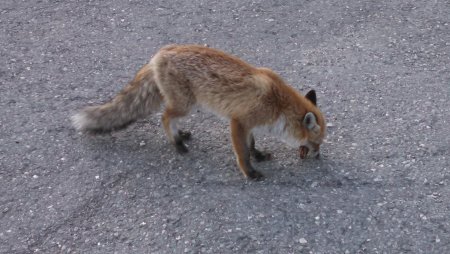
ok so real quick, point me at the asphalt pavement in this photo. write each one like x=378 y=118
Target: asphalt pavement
x=381 y=71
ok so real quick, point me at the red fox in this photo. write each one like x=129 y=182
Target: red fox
x=181 y=76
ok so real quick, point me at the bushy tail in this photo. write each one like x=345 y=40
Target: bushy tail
x=138 y=99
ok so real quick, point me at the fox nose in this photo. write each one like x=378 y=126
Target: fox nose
x=306 y=152
x=303 y=151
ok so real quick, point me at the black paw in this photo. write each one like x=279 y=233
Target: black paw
x=184 y=135
x=261 y=156
x=255 y=175
x=180 y=146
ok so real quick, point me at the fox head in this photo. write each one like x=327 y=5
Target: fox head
x=313 y=129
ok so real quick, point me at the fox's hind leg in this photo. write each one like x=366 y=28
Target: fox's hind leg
x=170 y=122
x=177 y=106
x=178 y=99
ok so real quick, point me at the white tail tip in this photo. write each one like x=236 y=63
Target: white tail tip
x=79 y=121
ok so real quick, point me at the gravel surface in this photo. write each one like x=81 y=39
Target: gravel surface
x=381 y=69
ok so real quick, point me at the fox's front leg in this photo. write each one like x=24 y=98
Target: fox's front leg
x=239 y=136
x=255 y=153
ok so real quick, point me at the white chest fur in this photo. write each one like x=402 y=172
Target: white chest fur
x=279 y=129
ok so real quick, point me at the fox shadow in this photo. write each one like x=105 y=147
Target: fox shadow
x=210 y=158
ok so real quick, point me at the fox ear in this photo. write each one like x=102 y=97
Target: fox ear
x=311 y=96
x=310 y=121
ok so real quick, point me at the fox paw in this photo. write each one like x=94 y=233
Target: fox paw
x=184 y=135
x=261 y=156
x=255 y=175
x=180 y=146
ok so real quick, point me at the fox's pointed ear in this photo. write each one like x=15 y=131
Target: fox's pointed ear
x=310 y=121
x=311 y=96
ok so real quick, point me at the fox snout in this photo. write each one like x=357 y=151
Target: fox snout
x=305 y=152
x=310 y=146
